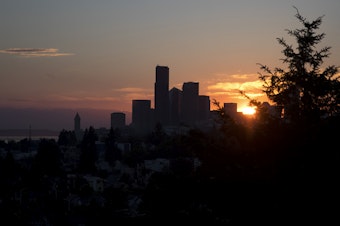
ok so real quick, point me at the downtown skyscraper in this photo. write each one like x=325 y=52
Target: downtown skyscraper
x=162 y=114
x=190 y=101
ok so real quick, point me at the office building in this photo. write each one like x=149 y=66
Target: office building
x=230 y=109
x=162 y=95
x=142 y=116
x=203 y=108
x=189 y=108
x=175 y=98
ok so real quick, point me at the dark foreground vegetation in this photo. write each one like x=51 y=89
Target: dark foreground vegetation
x=273 y=175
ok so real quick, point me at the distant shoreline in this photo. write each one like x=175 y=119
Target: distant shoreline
x=27 y=133
x=19 y=138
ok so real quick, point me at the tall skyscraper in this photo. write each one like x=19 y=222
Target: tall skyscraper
x=162 y=95
x=189 y=114
x=175 y=97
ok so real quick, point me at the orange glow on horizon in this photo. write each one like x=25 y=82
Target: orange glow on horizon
x=248 y=110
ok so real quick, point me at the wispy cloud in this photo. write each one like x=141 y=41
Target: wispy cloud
x=254 y=86
x=131 y=93
x=35 y=52
x=131 y=90
x=85 y=98
x=227 y=87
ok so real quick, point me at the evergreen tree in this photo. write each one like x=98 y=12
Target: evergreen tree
x=112 y=152
x=67 y=138
x=306 y=91
x=88 y=156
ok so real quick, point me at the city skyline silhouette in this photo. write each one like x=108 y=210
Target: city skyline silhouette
x=97 y=57
x=187 y=113
x=84 y=157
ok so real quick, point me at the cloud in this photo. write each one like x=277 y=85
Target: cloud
x=35 y=52
x=132 y=90
x=227 y=89
x=236 y=77
x=133 y=93
x=85 y=98
x=236 y=86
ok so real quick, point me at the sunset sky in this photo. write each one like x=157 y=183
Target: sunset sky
x=62 y=57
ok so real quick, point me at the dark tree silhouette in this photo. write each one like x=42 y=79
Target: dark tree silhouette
x=88 y=156
x=112 y=152
x=67 y=138
x=305 y=91
x=158 y=135
x=48 y=160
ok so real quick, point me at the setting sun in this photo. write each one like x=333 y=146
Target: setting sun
x=248 y=110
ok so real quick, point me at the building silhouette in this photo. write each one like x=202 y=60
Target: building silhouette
x=118 y=120
x=175 y=107
x=189 y=106
x=77 y=128
x=175 y=101
x=142 y=116
x=203 y=108
x=77 y=122
x=161 y=95
x=230 y=109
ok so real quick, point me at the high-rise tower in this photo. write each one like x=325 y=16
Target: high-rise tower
x=162 y=95
x=77 y=123
x=175 y=97
x=77 y=129
x=190 y=102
